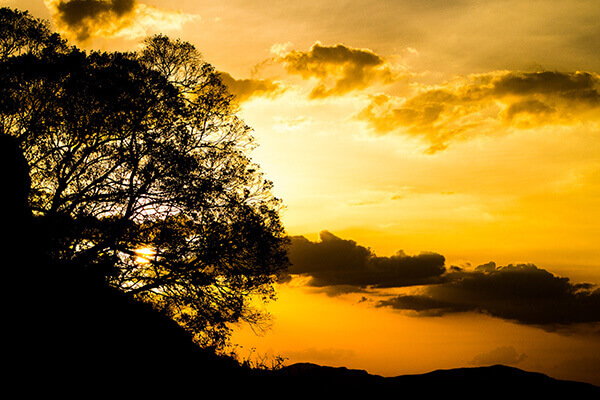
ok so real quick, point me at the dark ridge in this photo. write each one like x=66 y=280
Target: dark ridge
x=309 y=369
x=497 y=379
x=476 y=381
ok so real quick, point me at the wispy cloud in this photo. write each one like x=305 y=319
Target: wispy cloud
x=506 y=355
x=245 y=89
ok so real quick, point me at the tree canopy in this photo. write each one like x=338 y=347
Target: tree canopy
x=140 y=169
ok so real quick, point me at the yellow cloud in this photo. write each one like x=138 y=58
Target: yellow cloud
x=338 y=69
x=481 y=104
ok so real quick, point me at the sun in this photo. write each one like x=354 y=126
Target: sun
x=144 y=255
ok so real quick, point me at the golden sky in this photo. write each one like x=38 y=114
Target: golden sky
x=413 y=143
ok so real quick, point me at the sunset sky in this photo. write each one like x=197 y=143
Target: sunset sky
x=439 y=163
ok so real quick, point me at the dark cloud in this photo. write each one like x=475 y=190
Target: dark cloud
x=339 y=69
x=505 y=355
x=480 y=104
x=74 y=12
x=522 y=293
x=81 y=15
x=347 y=266
x=577 y=85
x=82 y=20
x=244 y=89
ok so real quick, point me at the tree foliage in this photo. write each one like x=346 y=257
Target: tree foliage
x=140 y=168
x=22 y=33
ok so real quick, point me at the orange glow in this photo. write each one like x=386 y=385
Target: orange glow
x=470 y=129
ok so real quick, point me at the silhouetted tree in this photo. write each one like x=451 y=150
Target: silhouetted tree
x=140 y=171
x=22 y=33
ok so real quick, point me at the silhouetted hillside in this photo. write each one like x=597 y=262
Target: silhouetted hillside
x=67 y=330
x=71 y=328
x=65 y=327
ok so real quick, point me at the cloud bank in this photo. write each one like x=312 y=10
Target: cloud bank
x=487 y=103
x=84 y=19
x=521 y=293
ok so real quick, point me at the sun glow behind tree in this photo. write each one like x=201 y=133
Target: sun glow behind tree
x=136 y=151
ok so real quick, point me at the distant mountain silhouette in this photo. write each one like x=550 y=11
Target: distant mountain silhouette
x=471 y=382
